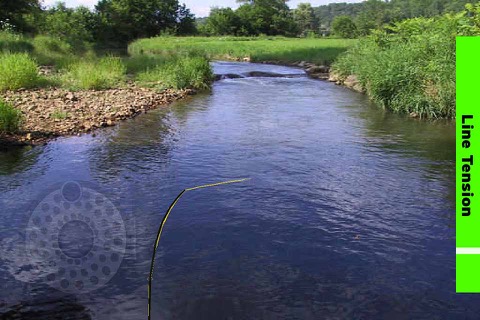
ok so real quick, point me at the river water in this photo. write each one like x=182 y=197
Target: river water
x=349 y=213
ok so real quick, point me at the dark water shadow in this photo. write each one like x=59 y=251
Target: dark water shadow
x=52 y=309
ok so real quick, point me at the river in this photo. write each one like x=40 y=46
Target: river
x=349 y=213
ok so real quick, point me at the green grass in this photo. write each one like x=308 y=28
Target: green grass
x=179 y=73
x=105 y=73
x=279 y=49
x=20 y=57
x=141 y=63
x=58 y=114
x=410 y=68
x=53 y=52
x=10 y=42
x=10 y=118
x=18 y=70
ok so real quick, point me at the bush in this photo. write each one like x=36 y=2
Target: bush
x=180 y=73
x=105 y=73
x=344 y=27
x=10 y=42
x=53 y=51
x=10 y=118
x=18 y=70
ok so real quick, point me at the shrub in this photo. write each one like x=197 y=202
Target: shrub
x=11 y=42
x=18 y=70
x=10 y=118
x=105 y=73
x=53 y=51
x=180 y=73
x=343 y=26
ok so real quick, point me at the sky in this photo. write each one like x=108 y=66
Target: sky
x=200 y=8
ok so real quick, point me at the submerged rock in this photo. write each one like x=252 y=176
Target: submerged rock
x=227 y=76
x=256 y=74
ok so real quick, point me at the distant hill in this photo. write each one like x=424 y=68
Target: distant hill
x=393 y=9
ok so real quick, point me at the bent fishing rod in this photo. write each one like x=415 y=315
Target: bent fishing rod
x=162 y=225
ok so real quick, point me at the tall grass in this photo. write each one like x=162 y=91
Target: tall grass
x=107 y=72
x=53 y=51
x=20 y=57
x=284 y=50
x=18 y=70
x=408 y=67
x=141 y=63
x=11 y=42
x=10 y=118
x=192 y=72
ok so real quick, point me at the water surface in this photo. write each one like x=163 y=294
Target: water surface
x=349 y=213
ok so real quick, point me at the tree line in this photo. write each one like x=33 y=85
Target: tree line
x=117 y=22
x=111 y=23
x=358 y=19
x=348 y=20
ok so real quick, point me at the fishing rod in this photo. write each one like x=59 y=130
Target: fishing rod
x=162 y=225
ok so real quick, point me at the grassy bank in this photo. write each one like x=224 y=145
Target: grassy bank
x=21 y=58
x=49 y=88
x=408 y=67
x=282 y=50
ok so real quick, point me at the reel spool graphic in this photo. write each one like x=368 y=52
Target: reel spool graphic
x=76 y=238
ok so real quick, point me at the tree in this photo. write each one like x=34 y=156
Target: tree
x=185 y=21
x=305 y=19
x=12 y=13
x=270 y=17
x=344 y=27
x=126 y=20
x=373 y=15
x=222 y=21
x=75 y=26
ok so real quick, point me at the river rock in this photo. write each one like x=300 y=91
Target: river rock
x=86 y=110
x=256 y=74
x=318 y=69
x=352 y=82
x=227 y=76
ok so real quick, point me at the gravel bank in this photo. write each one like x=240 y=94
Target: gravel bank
x=50 y=113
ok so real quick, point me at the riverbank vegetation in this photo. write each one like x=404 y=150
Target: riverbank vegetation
x=275 y=49
x=401 y=52
x=409 y=66
x=273 y=17
x=21 y=58
x=66 y=71
x=10 y=118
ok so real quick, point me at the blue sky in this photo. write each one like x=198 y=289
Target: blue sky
x=201 y=8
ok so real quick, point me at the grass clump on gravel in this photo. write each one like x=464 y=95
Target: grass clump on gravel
x=18 y=70
x=105 y=73
x=10 y=118
x=189 y=72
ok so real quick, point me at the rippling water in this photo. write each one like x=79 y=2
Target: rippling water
x=349 y=213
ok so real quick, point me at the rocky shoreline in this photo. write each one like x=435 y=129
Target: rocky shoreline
x=50 y=113
x=323 y=72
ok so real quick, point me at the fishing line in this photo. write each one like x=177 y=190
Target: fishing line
x=162 y=225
